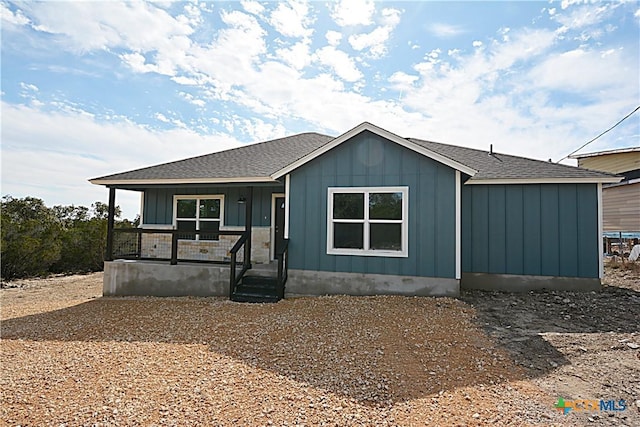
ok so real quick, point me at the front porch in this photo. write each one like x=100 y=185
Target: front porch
x=161 y=260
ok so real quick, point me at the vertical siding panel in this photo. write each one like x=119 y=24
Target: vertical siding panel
x=497 y=232
x=296 y=212
x=480 y=229
x=327 y=263
x=532 y=239
x=445 y=238
x=568 y=234
x=549 y=232
x=588 y=257
x=467 y=213
x=514 y=218
x=415 y=264
x=427 y=212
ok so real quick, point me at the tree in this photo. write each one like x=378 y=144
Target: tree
x=30 y=241
x=63 y=239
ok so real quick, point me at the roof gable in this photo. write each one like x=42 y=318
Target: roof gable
x=366 y=126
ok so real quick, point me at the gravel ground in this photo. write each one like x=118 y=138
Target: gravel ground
x=72 y=357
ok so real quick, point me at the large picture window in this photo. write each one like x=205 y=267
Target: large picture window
x=198 y=213
x=371 y=221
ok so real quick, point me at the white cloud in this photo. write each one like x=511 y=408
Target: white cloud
x=443 y=30
x=374 y=41
x=402 y=79
x=53 y=160
x=341 y=63
x=292 y=19
x=476 y=43
x=252 y=7
x=297 y=56
x=585 y=15
x=333 y=37
x=11 y=18
x=101 y=25
x=390 y=17
x=353 y=12
x=583 y=72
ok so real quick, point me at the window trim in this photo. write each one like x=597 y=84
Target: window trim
x=197 y=219
x=404 y=236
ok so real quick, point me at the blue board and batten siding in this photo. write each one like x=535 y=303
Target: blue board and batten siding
x=530 y=229
x=368 y=160
x=158 y=203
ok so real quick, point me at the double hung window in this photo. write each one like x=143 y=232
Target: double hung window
x=369 y=221
x=198 y=214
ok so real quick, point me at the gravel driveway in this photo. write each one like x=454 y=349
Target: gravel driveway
x=71 y=357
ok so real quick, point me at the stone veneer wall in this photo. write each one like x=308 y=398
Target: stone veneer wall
x=159 y=246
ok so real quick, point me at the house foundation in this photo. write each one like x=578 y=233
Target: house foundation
x=522 y=283
x=307 y=282
x=142 y=278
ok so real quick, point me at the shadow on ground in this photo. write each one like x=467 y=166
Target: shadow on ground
x=519 y=322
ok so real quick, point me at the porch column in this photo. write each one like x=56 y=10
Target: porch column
x=247 y=226
x=110 y=224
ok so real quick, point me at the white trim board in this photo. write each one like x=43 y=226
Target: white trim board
x=498 y=181
x=272 y=233
x=458 y=226
x=382 y=133
x=230 y=180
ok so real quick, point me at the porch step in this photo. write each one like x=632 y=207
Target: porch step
x=256 y=289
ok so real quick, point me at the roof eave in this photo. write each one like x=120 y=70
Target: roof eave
x=366 y=126
x=496 y=181
x=181 y=181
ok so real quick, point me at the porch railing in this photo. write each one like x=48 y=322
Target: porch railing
x=283 y=266
x=176 y=245
x=234 y=276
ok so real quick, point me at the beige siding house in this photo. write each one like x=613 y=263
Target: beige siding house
x=621 y=201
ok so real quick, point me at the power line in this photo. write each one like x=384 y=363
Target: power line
x=590 y=141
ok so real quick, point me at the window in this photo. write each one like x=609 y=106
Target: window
x=198 y=213
x=369 y=221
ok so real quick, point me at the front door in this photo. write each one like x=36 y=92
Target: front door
x=279 y=222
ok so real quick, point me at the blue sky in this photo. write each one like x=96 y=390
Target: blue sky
x=93 y=88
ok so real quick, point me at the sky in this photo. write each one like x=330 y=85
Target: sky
x=94 y=88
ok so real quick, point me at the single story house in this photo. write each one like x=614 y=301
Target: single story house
x=367 y=212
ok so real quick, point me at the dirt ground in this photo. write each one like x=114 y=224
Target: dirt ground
x=72 y=357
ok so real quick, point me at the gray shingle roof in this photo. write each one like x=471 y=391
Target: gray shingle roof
x=255 y=160
x=504 y=166
x=265 y=159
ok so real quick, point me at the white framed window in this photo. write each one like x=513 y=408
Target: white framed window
x=369 y=221
x=198 y=213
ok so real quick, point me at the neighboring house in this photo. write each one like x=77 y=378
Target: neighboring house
x=364 y=213
x=620 y=201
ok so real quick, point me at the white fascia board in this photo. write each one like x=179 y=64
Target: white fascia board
x=605 y=153
x=542 y=181
x=233 y=180
x=382 y=133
